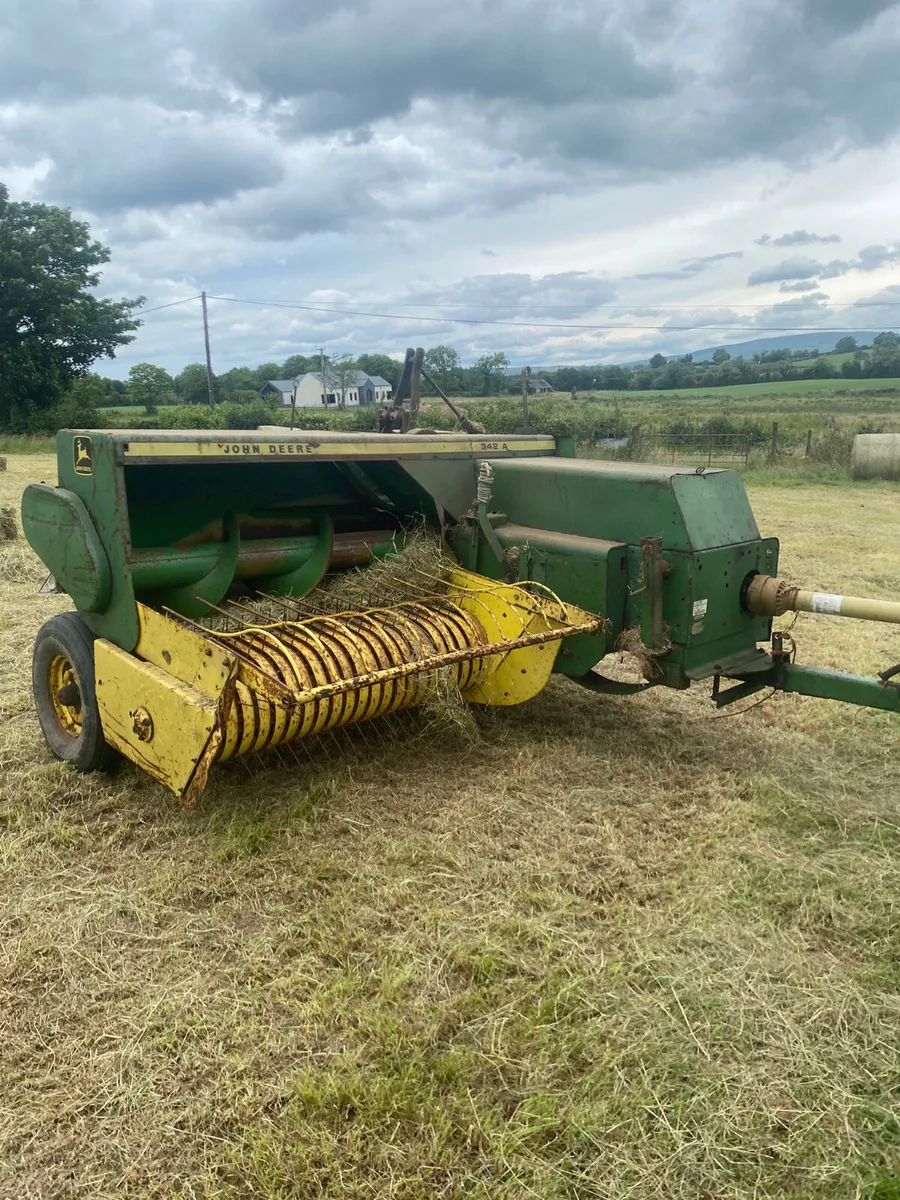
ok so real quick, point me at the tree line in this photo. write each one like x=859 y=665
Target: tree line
x=151 y=387
x=881 y=360
x=53 y=328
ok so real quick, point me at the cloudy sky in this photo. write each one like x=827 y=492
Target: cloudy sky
x=598 y=178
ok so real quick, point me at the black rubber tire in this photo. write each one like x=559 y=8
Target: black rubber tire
x=67 y=635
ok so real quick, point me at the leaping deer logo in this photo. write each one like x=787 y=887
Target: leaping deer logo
x=83 y=462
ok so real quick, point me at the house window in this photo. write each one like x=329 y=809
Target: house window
x=331 y=398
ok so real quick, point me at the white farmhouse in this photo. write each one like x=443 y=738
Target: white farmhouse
x=312 y=393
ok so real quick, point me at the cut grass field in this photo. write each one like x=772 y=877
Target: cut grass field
x=788 y=387
x=598 y=947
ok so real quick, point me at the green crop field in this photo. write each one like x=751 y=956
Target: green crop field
x=834 y=360
x=795 y=387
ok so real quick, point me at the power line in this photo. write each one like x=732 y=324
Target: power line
x=616 y=328
x=171 y=304
x=629 y=307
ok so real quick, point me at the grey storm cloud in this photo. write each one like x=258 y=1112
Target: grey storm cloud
x=809 y=309
x=504 y=295
x=870 y=258
x=799 y=237
x=801 y=285
x=880 y=309
x=798 y=268
x=280 y=148
x=240 y=85
x=691 y=266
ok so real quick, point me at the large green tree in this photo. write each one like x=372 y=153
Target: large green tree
x=150 y=385
x=380 y=364
x=191 y=385
x=441 y=360
x=492 y=367
x=51 y=327
x=298 y=364
x=343 y=371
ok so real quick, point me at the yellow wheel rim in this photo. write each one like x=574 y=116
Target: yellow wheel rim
x=60 y=674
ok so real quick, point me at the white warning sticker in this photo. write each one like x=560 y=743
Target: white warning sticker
x=825 y=602
x=700 y=607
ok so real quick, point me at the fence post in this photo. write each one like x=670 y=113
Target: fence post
x=809 y=444
x=635 y=442
x=773 y=447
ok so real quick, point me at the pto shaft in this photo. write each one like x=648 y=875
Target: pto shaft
x=770 y=596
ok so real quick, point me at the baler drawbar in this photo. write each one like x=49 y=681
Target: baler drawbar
x=554 y=562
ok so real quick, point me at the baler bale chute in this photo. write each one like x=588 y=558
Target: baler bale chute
x=207 y=627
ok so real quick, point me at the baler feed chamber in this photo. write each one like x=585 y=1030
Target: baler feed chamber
x=198 y=533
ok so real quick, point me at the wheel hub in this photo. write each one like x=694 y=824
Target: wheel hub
x=65 y=695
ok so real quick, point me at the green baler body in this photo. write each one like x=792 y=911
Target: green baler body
x=577 y=526
x=151 y=516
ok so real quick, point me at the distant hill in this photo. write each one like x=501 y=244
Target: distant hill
x=822 y=342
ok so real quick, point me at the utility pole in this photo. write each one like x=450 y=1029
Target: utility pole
x=526 y=375
x=321 y=350
x=209 y=374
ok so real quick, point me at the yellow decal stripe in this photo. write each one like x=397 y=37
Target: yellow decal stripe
x=292 y=450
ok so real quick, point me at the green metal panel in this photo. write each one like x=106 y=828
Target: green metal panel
x=62 y=534
x=714 y=508
x=709 y=544
x=99 y=482
x=625 y=502
x=583 y=571
x=451 y=484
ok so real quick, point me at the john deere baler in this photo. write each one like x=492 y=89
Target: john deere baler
x=557 y=561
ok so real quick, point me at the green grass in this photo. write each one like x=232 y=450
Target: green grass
x=834 y=360
x=27 y=444
x=796 y=387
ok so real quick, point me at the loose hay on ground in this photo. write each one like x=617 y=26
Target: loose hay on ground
x=613 y=950
x=9 y=526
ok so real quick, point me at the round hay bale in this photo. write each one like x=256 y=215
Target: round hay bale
x=9 y=526
x=2 y=464
x=876 y=456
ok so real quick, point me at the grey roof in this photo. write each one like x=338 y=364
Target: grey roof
x=362 y=378
x=287 y=385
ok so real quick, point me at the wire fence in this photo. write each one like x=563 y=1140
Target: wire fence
x=692 y=449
